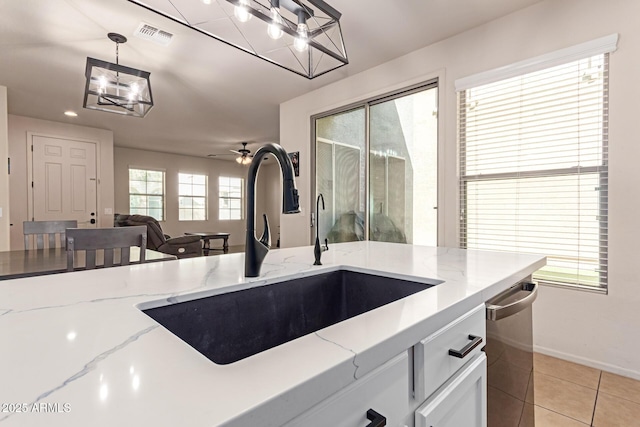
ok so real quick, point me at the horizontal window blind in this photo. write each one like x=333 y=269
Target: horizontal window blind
x=533 y=169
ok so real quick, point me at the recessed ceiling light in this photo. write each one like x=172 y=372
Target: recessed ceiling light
x=71 y=113
x=206 y=1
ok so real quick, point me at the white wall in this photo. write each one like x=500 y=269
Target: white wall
x=19 y=152
x=4 y=173
x=173 y=164
x=597 y=330
x=269 y=199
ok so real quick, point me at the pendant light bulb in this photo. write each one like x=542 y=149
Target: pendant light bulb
x=241 y=11
x=102 y=85
x=300 y=43
x=274 y=30
x=243 y=160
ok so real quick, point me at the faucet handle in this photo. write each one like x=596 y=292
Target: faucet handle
x=266 y=236
x=326 y=245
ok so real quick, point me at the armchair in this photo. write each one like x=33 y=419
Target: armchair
x=182 y=246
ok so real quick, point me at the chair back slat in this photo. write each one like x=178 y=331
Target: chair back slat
x=108 y=257
x=125 y=256
x=40 y=229
x=89 y=259
x=106 y=240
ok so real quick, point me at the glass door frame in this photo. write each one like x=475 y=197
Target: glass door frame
x=366 y=104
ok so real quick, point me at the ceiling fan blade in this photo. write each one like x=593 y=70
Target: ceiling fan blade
x=234 y=151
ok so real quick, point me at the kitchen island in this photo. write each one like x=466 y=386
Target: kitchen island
x=77 y=351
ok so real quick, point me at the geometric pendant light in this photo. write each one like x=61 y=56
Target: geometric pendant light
x=115 y=88
x=302 y=36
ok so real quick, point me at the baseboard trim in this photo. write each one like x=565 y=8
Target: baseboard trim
x=588 y=362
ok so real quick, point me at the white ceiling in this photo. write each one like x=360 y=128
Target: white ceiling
x=208 y=96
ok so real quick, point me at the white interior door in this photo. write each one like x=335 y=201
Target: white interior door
x=64 y=180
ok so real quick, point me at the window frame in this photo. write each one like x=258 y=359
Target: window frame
x=433 y=82
x=600 y=172
x=192 y=196
x=229 y=198
x=162 y=195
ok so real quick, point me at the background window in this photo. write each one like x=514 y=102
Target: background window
x=534 y=169
x=230 y=197
x=146 y=193
x=192 y=196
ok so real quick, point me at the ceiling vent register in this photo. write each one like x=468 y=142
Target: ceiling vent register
x=154 y=34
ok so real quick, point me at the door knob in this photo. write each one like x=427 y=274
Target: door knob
x=93 y=221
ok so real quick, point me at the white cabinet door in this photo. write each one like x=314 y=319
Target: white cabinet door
x=461 y=401
x=386 y=390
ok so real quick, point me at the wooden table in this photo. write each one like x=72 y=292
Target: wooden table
x=207 y=236
x=21 y=263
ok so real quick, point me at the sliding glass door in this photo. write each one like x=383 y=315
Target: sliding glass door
x=340 y=175
x=376 y=167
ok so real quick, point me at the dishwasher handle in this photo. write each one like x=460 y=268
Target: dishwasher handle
x=497 y=312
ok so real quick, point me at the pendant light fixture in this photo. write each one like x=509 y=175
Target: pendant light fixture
x=115 y=88
x=302 y=36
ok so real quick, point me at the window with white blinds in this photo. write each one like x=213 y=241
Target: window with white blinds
x=533 y=169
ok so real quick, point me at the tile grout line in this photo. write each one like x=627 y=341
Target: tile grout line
x=616 y=394
x=626 y=399
x=593 y=415
x=575 y=384
x=554 y=375
x=561 y=414
x=571 y=382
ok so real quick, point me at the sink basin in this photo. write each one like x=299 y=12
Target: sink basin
x=232 y=326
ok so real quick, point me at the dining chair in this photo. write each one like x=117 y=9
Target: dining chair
x=91 y=240
x=40 y=229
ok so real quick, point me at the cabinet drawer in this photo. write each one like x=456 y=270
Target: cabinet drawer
x=433 y=365
x=461 y=401
x=386 y=390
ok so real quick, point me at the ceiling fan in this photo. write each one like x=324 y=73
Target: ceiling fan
x=244 y=154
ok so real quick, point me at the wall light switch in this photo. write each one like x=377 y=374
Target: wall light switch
x=0 y=212
x=108 y=211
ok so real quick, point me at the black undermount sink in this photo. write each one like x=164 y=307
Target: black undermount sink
x=229 y=327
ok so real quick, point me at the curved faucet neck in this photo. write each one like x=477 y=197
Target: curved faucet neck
x=288 y=205
x=256 y=250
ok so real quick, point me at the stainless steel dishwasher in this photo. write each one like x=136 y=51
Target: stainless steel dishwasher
x=509 y=351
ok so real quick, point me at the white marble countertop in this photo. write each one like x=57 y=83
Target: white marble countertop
x=75 y=350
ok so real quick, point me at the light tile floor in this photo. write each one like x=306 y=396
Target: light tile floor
x=572 y=395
